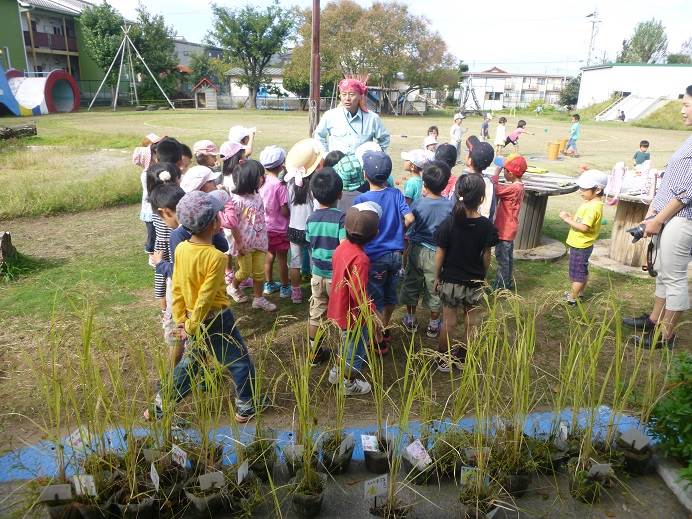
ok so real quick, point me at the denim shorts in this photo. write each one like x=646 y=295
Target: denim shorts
x=383 y=279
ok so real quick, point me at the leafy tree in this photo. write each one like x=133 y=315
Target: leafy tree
x=101 y=26
x=205 y=66
x=679 y=58
x=462 y=69
x=570 y=93
x=250 y=37
x=648 y=44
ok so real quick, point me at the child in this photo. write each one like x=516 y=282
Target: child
x=584 y=228
x=275 y=198
x=143 y=157
x=643 y=154
x=349 y=305
x=351 y=173
x=500 y=134
x=448 y=154
x=456 y=132
x=513 y=137
x=480 y=157
x=430 y=143
x=433 y=131
x=428 y=211
x=464 y=241
x=325 y=230
x=243 y=136
x=302 y=160
x=332 y=158
x=231 y=153
x=244 y=216
x=485 y=128
x=414 y=162
x=185 y=158
x=200 y=305
x=509 y=199
x=385 y=251
x=205 y=152
x=574 y=132
x=199 y=178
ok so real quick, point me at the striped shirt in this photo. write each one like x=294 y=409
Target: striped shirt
x=162 y=243
x=325 y=230
x=677 y=181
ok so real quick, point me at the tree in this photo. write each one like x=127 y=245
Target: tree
x=679 y=58
x=570 y=93
x=102 y=29
x=462 y=69
x=648 y=44
x=204 y=66
x=250 y=37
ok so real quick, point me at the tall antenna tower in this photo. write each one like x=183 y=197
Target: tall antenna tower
x=594 y=31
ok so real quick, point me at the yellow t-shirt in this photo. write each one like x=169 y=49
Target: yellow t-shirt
x=589 y=213
x=198 y=283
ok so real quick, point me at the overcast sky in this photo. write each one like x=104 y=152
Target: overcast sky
x=517 y=35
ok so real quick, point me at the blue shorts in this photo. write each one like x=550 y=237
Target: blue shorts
x=572 y=144
x=384 y=278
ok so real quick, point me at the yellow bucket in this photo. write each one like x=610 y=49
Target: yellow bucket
x=553 y=150
x=563 y=145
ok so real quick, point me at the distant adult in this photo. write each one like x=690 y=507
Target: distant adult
x=350 y=124
x=670 y=223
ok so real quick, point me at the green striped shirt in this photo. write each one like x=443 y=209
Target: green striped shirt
x=325 y=230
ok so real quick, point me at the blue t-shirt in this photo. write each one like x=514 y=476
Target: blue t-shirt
x=429 y=213
x=391 y=231
x=413 y=188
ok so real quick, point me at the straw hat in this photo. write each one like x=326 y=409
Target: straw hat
x=302 y=160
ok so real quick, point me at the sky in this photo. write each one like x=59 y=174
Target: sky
x=536 y=36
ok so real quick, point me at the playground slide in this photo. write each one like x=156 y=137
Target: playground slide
x=19 y=95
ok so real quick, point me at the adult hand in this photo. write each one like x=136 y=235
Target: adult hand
x=652 y=227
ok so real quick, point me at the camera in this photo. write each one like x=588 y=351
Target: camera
x=637 y=232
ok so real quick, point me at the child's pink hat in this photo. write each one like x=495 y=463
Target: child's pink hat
x=205 y=147
x=228 y=149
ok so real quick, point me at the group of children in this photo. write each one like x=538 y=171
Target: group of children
x=229 y=218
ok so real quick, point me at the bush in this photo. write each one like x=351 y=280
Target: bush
x=667 y=118
x=671 y=420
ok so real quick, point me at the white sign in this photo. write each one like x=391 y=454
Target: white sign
x=369 y=443
x=179 y=456
x=84 y=485
x=243 y=471
x=600 y=469
x=154 y=475
x=79 y=439
x=375 y=487
x=211 y=480
x=418 y=455
x=635 y=438
x=56 y=493
x=564 y=431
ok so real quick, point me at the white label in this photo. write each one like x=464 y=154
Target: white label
x=56 y=493
x=600 y=469
x=375 y=487
x=635 y=438
x=154 y=475
x=418 y=454
x=564 y=431
x=242 y=471
x=79 y=438
x=211 y=480
x=369 y=443
x=84 y=485
x=179 y=456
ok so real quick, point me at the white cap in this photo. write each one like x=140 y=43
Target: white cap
x=459 y=116
x=196 y=177
x=272 y=156
x=592 y=178
x=366 y=146
x=418 y=157
x=430 y=139
x=369 y=206
x=238 y=133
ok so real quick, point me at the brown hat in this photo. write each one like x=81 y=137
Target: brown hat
x=363 y=220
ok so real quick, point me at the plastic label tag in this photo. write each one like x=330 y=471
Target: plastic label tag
x=369 y=443
x=635 y=438
x=79 y=439
x=211 y=480
x=600 y=469
x=84 y=485
x=243 y=471
x=375 y=487
x=418 y=454
x=56 y=493
x=179 y=456
x=154 y=475
x=564 y=431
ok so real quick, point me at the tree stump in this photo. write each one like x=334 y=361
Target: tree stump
x=7 y=250
x=13 y=132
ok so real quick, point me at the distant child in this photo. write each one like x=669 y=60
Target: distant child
x=275 y=197
x=500 y=134
x=464 y=241
x=143 y=156
x=414 y=162
x=243 y=215
x=574 y=133
x=332 y=158
x=200 y=306
x=643 y=154
x=325 y=231
x=513 y=137
x=485 y=128
x=430 y=143
x=385 y=250
x=509 y=198
x=243 y=136
x=456 y=132
x=448 y=154
x=205 y=153
x=584 y=228
x=301 y=162
x=480 y=157
x=199 y=178
x=185 y=159
x=429 y=212
x=351 y=173
x=433 y=131
x=349 y=306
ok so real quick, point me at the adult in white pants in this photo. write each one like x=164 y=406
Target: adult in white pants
x=671 y=227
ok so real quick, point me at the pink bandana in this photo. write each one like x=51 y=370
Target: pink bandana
x=354 y=85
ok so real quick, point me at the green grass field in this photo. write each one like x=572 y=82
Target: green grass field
x=58 y=191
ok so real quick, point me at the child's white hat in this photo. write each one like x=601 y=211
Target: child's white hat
x=430 y=139
x=418 y=157
x=459 y=116
x=238 y=133
x=196 y=177
x=592 y=178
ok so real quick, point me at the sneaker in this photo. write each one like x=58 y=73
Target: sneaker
x=246 y=411
x=410 y=323
x=567 y=298
x=248 y=283
x=260 y=303
x=433 y=329
x=236 y=294
x=356 y=387
x=271 y=287
x=320 y=356
x=285 y=291
x=296 y=295
x=229 y=277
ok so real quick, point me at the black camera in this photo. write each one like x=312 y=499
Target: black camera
x=637 y=232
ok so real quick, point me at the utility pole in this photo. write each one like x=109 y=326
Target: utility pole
x=314 y=102
x=594 y=31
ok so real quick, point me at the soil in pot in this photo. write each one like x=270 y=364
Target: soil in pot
x=582 y=486
x=63 y=510
x=140 y=506
x=337 y=451
x=378 y=462
x=447 y=452
x=308 y=495
x=391 y=510
x=261 y=456
x=205 y=502
x=638 y=463
x=242 y=499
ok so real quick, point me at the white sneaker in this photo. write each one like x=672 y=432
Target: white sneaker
x=356 y=387
x=262 y=304
x=236 y=294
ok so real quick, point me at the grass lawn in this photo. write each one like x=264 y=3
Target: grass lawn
x=79 y=165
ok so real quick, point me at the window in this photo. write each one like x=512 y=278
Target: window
x=541 y=81
x=493 y=96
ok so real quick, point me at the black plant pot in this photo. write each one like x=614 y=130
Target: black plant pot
x=473 y=512
x=206 y=504
x=638 y=463
x=336 y=463
x=516 y=484
x=63 y=510
x=428 y=476
x=142 y=509
x=378 y=462
x=309 y=505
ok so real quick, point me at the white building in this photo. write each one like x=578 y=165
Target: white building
x=599 y=83
x=497 y=89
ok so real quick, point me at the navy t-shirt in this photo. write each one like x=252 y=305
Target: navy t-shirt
x=429 y=214
x=391 y=231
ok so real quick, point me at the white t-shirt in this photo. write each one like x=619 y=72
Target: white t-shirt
x=500 y=135
x=455 y=133
x=299 y=213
